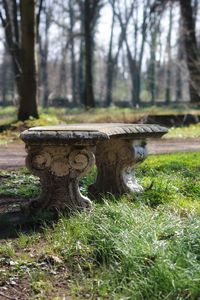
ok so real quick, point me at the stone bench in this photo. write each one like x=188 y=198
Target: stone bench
x=61 y=155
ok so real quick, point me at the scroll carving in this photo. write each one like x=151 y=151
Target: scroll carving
x=60 y=169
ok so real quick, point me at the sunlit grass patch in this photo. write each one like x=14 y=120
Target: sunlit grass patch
x=121 y=250
x=144 y=246
x=173 y=178
x=192 y=131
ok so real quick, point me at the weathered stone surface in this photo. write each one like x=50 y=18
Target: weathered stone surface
x=116 y=161
x=79 y=132
x=60 y=169
x=61 y=155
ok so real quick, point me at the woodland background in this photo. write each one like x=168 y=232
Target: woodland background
x=98 y=53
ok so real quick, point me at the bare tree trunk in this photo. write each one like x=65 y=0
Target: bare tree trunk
x=134 y=65
x=63 y=86
x=88 y=37
x=28 y=80
x=152 y=65
x=169 y=59
x=110 y=67
x=112 y=59
x=179 y=94
x=133 y=68
x=195 y=10
x=141 y=53
x=38 y=19
x=73 y=60
x=12 y=38
x=191 y=49
x=4 y=77
x=22 y=52
x=81 y=83
x=180 y=58
x=44 y=51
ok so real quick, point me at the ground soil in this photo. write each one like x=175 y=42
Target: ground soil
x=13 y=155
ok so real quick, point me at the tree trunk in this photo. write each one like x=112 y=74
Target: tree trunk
x=28 y=80
x=12 y=39
x=141 y=53
x=152 y=66
x=73 y=60
x=133 y=68
x=63 y=78
x=169 y=58
x=88 y=37
x=81 y=83
x=44 y=60
x=191 y=49
x=135 y=62
x=110 y=67
x=179 y=94
x=195 y=11
x=180 y=58
x=112 y=59
x=4 y=76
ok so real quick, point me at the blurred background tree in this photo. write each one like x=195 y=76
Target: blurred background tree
x=19 y=23
x=98 y=53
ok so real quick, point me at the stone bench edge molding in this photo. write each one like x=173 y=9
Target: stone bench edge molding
x=61 y=155
x=66 y=133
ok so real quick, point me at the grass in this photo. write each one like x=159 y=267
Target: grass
x=192 y=131
x=135 y=247
x=18 y=184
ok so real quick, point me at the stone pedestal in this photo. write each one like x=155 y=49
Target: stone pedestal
x=60 y=169
x=116 y=161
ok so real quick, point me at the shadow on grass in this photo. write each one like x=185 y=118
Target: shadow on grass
x=15 y=220
x=15 y=217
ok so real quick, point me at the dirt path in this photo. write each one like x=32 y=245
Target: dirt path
x=173 y=145
x=12 y=156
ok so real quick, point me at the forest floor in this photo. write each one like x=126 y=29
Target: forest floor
x=12 y=155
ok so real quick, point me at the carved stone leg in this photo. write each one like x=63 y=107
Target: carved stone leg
x=60 y=169
x=116 y=160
